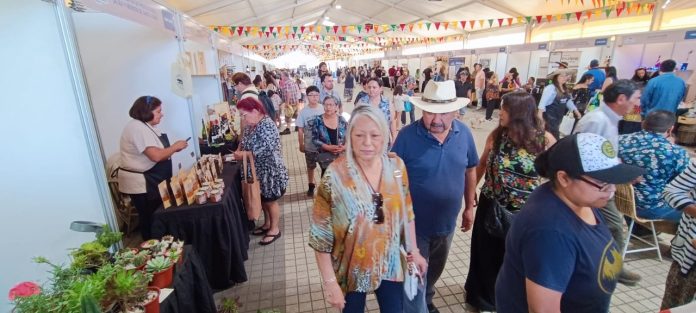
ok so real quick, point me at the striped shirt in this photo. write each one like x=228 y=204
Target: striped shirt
x=680 y=193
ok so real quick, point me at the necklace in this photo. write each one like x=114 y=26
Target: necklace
x=372 y=190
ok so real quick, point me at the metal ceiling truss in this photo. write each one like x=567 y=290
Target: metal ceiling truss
x=214 y=6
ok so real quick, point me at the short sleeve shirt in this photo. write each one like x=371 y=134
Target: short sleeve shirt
x=551 y=246
x=363 y=253
x=136 y=137
x=308 y=113
x=436 y=174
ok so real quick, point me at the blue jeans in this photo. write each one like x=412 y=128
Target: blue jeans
x=390 y=297
x=435 y=250
x=663 y=213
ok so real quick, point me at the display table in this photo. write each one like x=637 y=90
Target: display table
x=191 y=291
x=217 y=231
x=226 y=148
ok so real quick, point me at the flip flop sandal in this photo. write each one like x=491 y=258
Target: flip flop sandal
x=259 y=231
x=275 y=237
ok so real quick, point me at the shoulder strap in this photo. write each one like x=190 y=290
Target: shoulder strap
x=251 y=92
x=398 y=175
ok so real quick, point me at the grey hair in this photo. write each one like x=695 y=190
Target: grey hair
x=374 y=115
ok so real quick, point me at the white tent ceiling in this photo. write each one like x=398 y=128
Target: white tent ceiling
x=353 y=12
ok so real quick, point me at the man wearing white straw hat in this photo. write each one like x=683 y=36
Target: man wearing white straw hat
x=441 y=158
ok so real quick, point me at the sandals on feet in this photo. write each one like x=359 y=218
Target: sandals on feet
x=275 y=237
x=259 y=231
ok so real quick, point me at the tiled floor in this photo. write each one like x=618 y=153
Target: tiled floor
x=284 y=275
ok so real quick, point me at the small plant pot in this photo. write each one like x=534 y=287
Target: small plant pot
x=153 y=306
x=148 y=244
x=163 y=279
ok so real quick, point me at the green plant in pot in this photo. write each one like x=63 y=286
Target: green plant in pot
x=90 y=256
x=161 y=268
x=132 y=259
x=127 y=288
x=228 y=305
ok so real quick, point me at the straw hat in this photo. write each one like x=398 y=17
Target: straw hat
x=440 y=97
x=557 y=72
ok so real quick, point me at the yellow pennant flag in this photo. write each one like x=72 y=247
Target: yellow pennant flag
x=453 y=24
x=559 y=17
x=598 y=12
x=481 y=23
x=226 y=31
x=287 y=29
x=420 y=25
x=351 y=28
x=520 y=19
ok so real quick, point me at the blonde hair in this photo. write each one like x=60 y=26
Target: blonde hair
x=374 y=115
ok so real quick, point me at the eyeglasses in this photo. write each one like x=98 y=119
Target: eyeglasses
x=378 y=201
x=601 y=188
x=313 y=95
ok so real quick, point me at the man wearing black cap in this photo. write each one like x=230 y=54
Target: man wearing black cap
x=598 y=75
x=619 y=99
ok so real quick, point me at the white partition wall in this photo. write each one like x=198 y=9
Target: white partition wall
x=139 y=63
x=47 y=173
x=520 y=60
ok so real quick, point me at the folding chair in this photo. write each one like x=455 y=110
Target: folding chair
x=125 y=211
x=626 y=204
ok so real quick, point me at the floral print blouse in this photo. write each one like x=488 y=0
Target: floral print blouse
x=263 y=141
x=661 y=160
x=510 y=175
x=363 y=253
x=320 y=133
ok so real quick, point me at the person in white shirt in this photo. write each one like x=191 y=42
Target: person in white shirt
x=304 y=134
x=399 y=100
x=145 y=159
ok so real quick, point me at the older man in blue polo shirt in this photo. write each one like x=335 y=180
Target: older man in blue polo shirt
x=441 y=158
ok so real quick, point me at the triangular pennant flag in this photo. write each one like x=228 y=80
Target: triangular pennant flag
x=549 y=18
x=328 y=29
x=247 y=29
x=567 y=16
x=351 y=28
x=463 y=23
x=509 y=20
x=311 y=29
x=246 y=33
x=598 y=12
x=402 y=26
x=620 y=8
x=538 y=19
x=604 y=3
x=471 y=24
x=322 y=37
x=287 y=36
x=263 y=29
x=376 y=28
x=271 y=28
x=446 y=25
x=420 y=25
x=293 y=36
x=453 y=24
x=260 y=34
x=343 y=28
x=239 y=30
x=578 y=15
x=275 y=35
x=607 y=12
x=427 y=24
x=529 y=19
x=437 y=26
x=490 y=22
x=589 y=14
x=335 y=28
x=359 y=28
x=294 y=29
x=500 y=22
x=302 y=28
x=651 y=7
x=393 y=27
x=582 y=2
x=267 y=34
x=481 y=23
x=215 y=29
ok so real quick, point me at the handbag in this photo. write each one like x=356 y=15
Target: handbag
x=325 y=159
x=412 y=275
x=251 y=190
x=566 y=127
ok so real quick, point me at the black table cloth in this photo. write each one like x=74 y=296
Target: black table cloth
x=226 y=148
x=191 y=294
x=217 y=231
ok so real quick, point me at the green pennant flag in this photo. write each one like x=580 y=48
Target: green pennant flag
x=232 y=29
x=328 y=29
x=359 y=27
x=568 y=16
x=246 y=33
x=490 y=23
x=294 y=29
x=275 y=35
x=427 y=24
x=607 y=12
x=263 y=29
x=216 y=29
x=393 y=27
x=322 y=37
x=529 y=19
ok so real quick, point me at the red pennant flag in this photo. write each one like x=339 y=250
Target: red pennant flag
x=549 y=18
x=578 y=15
x=302 y=28
x=582 y=2
x=471 y=24
x=509 y=20
x=270 y=28
x=335 y=28
x=500 y=22
x=651 y=7
x=437 y=25
x=267 y=34
x=240 y=30
x=620 y=8
x=538 y=18
x=402 y=26
x=463 y=24
x=260 y=34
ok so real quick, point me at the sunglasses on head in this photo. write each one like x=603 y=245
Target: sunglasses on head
x=378 y=201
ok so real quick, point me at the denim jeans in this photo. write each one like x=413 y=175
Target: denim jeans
x=435 y=250
x=661 y=214
x=390 y=297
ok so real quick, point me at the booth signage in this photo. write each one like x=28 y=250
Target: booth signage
x=691 y=34
x=601 y=41
x=542 y=46
x=502 y=49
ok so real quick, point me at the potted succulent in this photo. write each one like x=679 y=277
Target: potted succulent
x=132 y=259
x=168 y=239
x=176 y=252
x=161 y=268
x=126 y=288
x=90 y=256
x=228 y=305
x=147 y=244
x=151 y=301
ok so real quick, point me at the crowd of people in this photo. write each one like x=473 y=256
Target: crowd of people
x=547 y=235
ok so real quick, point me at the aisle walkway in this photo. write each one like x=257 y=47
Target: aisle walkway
x=284 y=275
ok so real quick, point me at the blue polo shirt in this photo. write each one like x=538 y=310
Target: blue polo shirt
x=663 y=92
x=436 y=174
x=598 y=81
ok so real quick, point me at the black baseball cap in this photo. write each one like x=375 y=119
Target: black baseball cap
x=586 y=154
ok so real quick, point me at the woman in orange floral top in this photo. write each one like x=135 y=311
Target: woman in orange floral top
x=357 y=220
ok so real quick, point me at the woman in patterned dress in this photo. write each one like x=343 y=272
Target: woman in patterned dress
x=375 y=99
x=357 y=220
x=507 y=163
x=261 y=138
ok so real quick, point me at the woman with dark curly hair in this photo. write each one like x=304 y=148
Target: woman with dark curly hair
x=507 y=163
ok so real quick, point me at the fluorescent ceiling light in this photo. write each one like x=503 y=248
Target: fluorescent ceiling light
x=338 y=7
x=310 y=23
x=326 y=18
x=328 y=23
